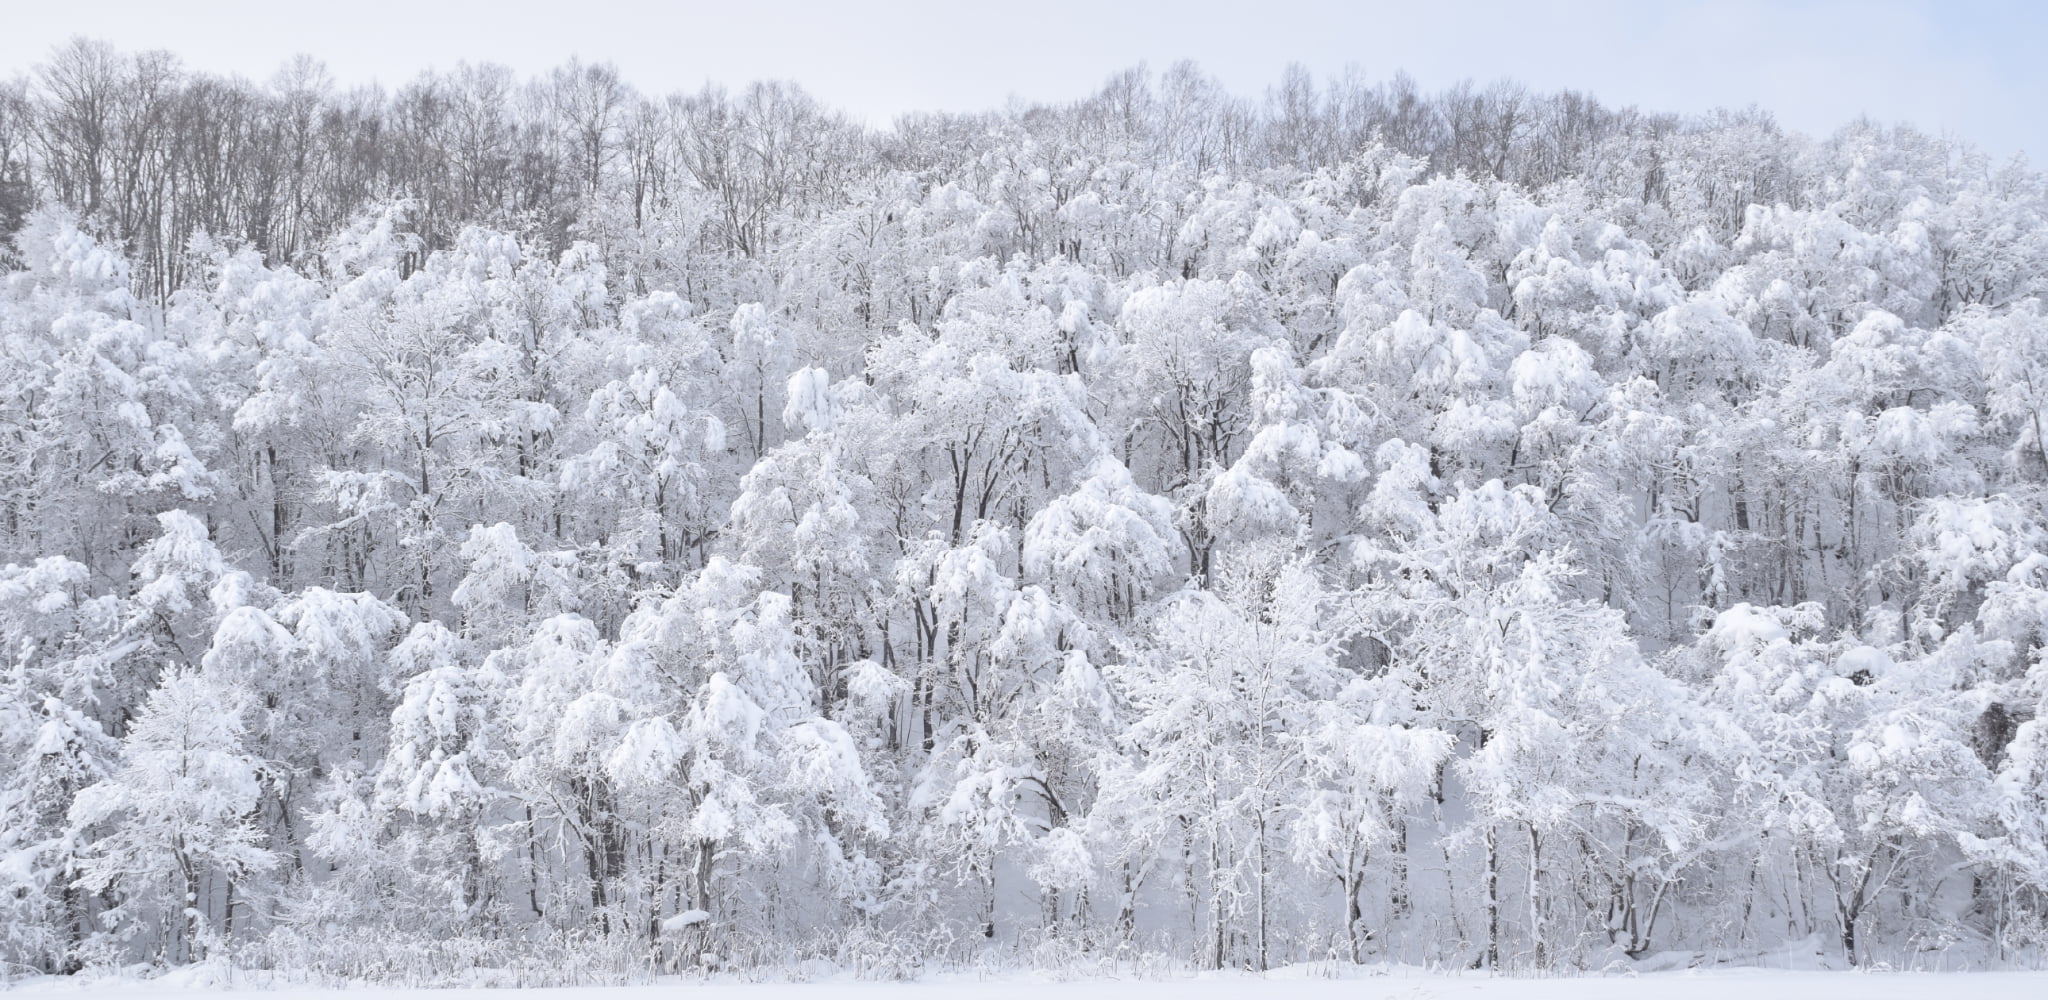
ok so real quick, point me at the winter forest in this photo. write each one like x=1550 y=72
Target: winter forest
x=533 y=524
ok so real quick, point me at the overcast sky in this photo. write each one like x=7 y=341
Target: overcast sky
x=1971 y=67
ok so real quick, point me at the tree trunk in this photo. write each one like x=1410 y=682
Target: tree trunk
x=1535 y=894
x=1492 y=904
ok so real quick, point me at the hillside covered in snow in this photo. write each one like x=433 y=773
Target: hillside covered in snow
x=531 y=523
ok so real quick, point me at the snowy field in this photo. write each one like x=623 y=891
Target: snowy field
x=1754 y=984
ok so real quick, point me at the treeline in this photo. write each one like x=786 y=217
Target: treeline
x=149 y=152
x=513 y=522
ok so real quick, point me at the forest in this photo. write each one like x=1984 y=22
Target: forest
x=528 y=524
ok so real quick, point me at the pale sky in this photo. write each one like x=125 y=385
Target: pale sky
x=1971 y=67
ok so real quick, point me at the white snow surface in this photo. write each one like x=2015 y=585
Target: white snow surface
x=1296 y=983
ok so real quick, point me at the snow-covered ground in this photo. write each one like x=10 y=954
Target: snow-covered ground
x=1749 y=984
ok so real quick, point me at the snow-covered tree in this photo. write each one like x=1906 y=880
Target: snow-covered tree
x=173 y=826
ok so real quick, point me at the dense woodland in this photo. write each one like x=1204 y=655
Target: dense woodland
x=501 y=521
